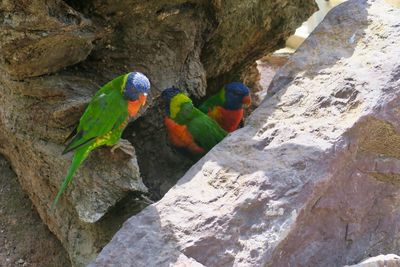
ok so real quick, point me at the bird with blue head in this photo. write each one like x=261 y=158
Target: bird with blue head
x=227 y=106
x=187 y=127
x=105 y=118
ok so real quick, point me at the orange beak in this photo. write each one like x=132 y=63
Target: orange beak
x=246 y=100
x=142 y=99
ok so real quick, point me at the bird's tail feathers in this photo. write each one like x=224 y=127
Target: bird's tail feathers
x=77 y=160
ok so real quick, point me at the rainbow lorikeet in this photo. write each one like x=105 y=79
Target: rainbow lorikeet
x=188 y=127
x=105 y=118
x=226 y=107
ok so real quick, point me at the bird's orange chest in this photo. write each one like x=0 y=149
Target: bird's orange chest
x=229 y=120
x=180 y=136
x=133 y=107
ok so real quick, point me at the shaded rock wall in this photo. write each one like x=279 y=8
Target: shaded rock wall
x=24 y=239
x=311 y=180
x=54 y=55
x=226 y=55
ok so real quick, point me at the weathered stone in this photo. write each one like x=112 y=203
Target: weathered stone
x=35 y=152
x=163 y=39
x=226 y=56
x=268 y=66
x=390 y=260
x=40 y=37
x=22 y=233
x=311 y=180
x=258 y=83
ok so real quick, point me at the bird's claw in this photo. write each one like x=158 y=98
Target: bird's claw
x=147 y=200
x=125 y=146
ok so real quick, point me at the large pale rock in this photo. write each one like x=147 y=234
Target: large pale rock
x=43 y=92
x=311 y=180
x=390 y=260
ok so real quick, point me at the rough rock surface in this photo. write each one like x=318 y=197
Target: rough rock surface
x=390 y=260
x=43 y=92
x=311 y=180
x=36 y=114
x=226 y=56
x=29 y=31
x=24 y=239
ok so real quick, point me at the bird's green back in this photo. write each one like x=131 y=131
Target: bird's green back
x=97 y=119
x=114 y=84
x=215 y=100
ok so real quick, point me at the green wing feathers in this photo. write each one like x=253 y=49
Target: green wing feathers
x=205 y=131
x=98 y=120
x=106 y=112
x=211 y=102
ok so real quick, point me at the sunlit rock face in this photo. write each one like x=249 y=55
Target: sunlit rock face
x=379 y=261
x=54 y=55
x=311 y=180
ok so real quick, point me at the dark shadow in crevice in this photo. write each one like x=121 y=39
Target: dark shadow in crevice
x=130 y=205
x=82 y=6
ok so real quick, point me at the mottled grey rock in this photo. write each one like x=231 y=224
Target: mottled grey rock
x=311 y=180
x=389 y=260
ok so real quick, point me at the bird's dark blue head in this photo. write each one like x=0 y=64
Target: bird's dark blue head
x=137 y=84
x=236 y=94
x=167 y=95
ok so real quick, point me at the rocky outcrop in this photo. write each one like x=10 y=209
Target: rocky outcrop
x=226 y=55
x=313 y=177
x=42 y=37
x=55 y=54
x=390 y=260
x=25 y=240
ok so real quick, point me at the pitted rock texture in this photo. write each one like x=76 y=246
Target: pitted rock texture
x=311 y=180
x=25 y=240
x=226 y=56
x=389 y=260
x=40 y=37
x=55 y=54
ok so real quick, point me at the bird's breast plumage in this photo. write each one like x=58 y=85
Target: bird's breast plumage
x=229 y=120
x=180 y=136
x=135 y=105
